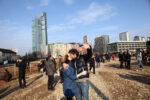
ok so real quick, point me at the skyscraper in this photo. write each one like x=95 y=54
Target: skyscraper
x=86 y=39
x=139 y=38
x=101 y=43
x=39 y=33
x=124 y=36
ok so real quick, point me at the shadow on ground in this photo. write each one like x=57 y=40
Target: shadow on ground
x=98 y=91
x=4 y=89
x=113 y=65
x=138 y=77
x=18 y=87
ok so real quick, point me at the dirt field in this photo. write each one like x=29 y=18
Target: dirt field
x=109 y=83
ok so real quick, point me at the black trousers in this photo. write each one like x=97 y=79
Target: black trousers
x=22 y=77
x=91 y=66
x=121 y=64
x=61 y=76
x=128 y=64
x=69 y=98
x=50 y=81
x=125 y=63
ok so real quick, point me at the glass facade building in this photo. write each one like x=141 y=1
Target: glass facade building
x=39 y=33
x=101 y=44
x=124 y=36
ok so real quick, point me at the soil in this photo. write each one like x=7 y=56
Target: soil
x=109 y=83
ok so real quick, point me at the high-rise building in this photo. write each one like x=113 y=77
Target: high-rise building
x=39 y=33
x=148 y=39
x=139 y=38
x=124 y=36
x=101 y=44
x=86 y=39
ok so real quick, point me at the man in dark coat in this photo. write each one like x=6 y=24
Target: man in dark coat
x=21 y=64
x=121 y=59
x=124 y=58
x=128 y=58
x=80 y=63
x=51 y=69
x=97 y=59
x=92 y=64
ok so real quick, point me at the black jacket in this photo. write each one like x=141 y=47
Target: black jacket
x=21 y=66
x=120 y=57
x=81 y=63
x=92 y=62
x=128 y=57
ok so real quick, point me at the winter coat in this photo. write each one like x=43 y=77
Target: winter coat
x=97 y=58
x=50 y=67
x=92 y=62
x=128 y=57
x=80 y=64
x=120 y=57
x=21 y=66
x=139 y=56
x=69 y=85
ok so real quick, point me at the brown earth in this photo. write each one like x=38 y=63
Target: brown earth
x=109 y=83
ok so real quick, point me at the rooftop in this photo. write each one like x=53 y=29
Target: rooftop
x=7 y=51
x=127 y=42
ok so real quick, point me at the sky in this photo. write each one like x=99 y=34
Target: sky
x=69 y=20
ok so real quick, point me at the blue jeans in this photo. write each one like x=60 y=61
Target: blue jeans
x=82 y=91
x=140 y=64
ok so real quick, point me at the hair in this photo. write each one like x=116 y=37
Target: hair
x=65 y=60
x=48 y=57
x=74 y=51
x=60 y=55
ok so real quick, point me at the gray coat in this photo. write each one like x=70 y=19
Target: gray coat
x=50 y=67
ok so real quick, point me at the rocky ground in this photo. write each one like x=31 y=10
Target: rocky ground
x=109 y=83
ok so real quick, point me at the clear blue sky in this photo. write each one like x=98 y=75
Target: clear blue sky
x=70 y=20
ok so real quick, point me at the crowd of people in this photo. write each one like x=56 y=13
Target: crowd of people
x=73 y=69
x=125 y=59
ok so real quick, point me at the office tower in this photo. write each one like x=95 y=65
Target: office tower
x=39 y=33
x=139 y=38
x=101 y=44
x=86 y=39
x=124 y=36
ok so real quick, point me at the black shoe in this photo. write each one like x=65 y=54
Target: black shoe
x=21 y=87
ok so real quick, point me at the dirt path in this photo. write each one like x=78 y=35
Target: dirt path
x=109 y=83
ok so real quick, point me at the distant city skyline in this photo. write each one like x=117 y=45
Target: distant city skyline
x=70 y=20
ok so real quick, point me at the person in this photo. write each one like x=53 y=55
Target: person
x=128 y=59
x=125 y=59
x=7 y=75
x=143 y=56
x=113 y=57
x=102 y=58
x=139 y=60
x=80 y=63
x=92 y=63
x=21 y=64
x=97 y=59
x=60 y=65
x=39 y=67
x=109 y=56
x=121 y=59
x=50 y=69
